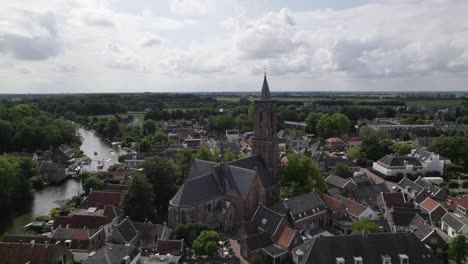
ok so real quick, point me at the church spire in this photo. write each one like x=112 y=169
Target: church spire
x=265 y=94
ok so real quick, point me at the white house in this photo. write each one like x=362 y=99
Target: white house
x=454 y=223
x=430 y=160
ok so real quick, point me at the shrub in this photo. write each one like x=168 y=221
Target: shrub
x=453 y=185
x=465 y=184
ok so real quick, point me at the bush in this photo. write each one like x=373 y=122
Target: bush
x=453 y=185
x=465 y=184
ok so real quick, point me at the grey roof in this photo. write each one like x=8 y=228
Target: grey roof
x=367 y=194
x=420 y=227
x=266 y=219
x=112 y=254
x=258 y=241
x=360 y=178
x=150 y=233
x=274 y=250
x=197 y=190
x=127 y=230
x=222 y=206
x=403 y=219
x=421 y=154
x=265 y=94
x=336 y=181
x=453 y=221
x=399 y=161
x=305 y=205
x=329 y=162
x=370 y=247
x=407 y=182
x=235 y=180
x=252 y=162
x=199 y=168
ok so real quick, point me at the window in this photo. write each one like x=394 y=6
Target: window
x=209 y=208
x=403 y=259
x=434 y=240
x=340 y=261
x=68 y=243
x=358 y=260
x=386 y=259
x=461 y=209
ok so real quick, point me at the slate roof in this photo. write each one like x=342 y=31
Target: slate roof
x=371 y=247
x=112 y=254
x=455 y=221
x=407 y=182
x=399 y=161
x=367 y=194
x=234 y=178
x=126 y=230
x=150 y=233
x=274 y=250
x=266 y=219
x=265 y=94
x=330 y=162
x=305 y=205
x=360 y=178
x=403 y=219
x=80 y=237
x=420 y=227
x=336 y=181
x=259 y=240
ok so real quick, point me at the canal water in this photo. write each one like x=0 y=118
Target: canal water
x=44 y=199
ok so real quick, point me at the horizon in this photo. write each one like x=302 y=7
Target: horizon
x=186 y=46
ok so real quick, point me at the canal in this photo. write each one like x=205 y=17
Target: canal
x=44 y=199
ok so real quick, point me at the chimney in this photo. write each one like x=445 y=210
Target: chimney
x=32 y=243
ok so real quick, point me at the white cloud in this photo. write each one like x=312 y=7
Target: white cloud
x=198 y=8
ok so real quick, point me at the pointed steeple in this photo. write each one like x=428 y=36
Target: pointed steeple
x=265 y=94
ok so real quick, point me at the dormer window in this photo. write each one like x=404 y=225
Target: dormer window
x=403 y=259
x=461 y=209
x=358 y=260
x=340 y=261
x=264 y=221
x=386 y=259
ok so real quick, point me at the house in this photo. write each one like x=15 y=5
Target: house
x=431 y=161
x=52 y=172
x=400 y=218
x=435 y=210
x=150 y=234
x=424 y=141
x=63 y=154
x=84 y=221
x=134 y=161
x=125 y=233
x=458 y=204
x=268 y=233
x=428 y=235
x=32 y=252
x=338 y=217
x=334 y=143
x=99 y=199
x=304 y=212
x=170 y=246
x=390 y=165
x=419 y=190
x=329 y=164
x=386 y=201
x=341 y=183
x=232 y=135
x=454 y=224
x=366 y=193
x=80 y=241
x=113 y=253
x=357 y=210
x=384 y=248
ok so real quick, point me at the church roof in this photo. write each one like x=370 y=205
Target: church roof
x=265 y=94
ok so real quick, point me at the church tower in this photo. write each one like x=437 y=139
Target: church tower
x=265 y=140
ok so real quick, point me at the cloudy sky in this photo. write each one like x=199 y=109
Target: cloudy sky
x=62 y=46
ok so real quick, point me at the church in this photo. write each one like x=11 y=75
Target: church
x=224 y=195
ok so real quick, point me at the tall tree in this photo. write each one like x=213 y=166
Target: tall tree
x=137 y=200
x=311 y=122
x=302 y=175
x=457 y=249
x=149 y=127
x=342 y=170
x=206 y=243
x=162 y=174
x=401 y=148
x=455 y=148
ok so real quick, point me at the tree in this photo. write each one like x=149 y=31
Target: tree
x=303 y=175
x=149 y=127
x=244 y=101
x=162 y=174
x=455 y=148
x=364 y=226
x=341 y=124
x=356 y=153
x=401 y=148
x=137 y=200
x=160 y=137
x=342 y=170
x=205 y=154
x=206 y=243
x=190 y=232
x=457 y=249
x=221 y=123
x=144 y=145
x=324 y=126
x=93 y=182
x=311 y=122
x=257 y=259
x=112 y=128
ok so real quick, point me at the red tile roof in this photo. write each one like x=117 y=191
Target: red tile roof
x=453 y=202
x=354 y=208
x=333 y=204
x=285 y=237
x=430 y=204
x=335 y=140
x=80 y=221
x=101 y=198
x=115 y=188
x=14 y=253
x=393 y=197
